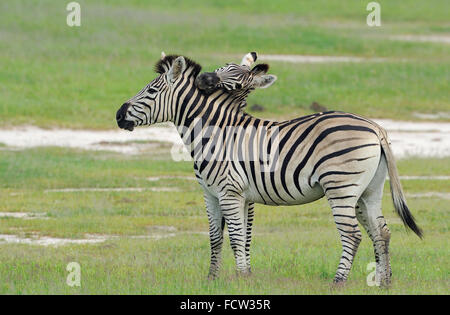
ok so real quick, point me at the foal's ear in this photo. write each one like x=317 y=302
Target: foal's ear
x=259 y=69
x=264 y=81
x=260 y=78
x=178 y=66
x=249 y=59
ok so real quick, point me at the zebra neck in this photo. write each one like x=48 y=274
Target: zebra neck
x=201 y=117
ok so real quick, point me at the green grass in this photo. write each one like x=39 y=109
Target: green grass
x=52 y=75
x=295 y=249
x=55 y=75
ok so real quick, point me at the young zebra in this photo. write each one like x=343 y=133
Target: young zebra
x=240 y=160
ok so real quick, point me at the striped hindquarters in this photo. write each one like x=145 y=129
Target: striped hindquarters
x=331 y=148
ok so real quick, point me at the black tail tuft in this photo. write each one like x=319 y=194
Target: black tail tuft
x=408 y=219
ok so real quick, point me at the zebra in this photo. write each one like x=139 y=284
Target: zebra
x=339 y=155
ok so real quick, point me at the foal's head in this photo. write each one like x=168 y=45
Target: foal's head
x=236 y=78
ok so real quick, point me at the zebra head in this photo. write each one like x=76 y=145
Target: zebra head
x=155 y=102
x=237 y=78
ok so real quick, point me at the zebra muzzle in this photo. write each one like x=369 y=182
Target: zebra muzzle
x=207 y=82
x=120 y=118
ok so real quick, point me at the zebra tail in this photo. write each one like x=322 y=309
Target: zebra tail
x=397 y=194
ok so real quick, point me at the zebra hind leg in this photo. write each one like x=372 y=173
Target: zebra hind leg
x=343 y=208
x=370 y=216
x=351 y=236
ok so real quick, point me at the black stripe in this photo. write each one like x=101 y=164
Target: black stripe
x=319 y=139
x=338 y=173
x=339 y=153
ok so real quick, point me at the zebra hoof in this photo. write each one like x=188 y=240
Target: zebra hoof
x=339 y=283
x=212 y=276
x=244 y=273
x=385 y=284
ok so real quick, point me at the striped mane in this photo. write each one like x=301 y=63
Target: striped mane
x=163 y=65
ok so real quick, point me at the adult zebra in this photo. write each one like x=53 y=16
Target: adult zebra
x=240 y=160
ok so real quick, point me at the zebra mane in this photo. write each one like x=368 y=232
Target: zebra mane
x=163 y=65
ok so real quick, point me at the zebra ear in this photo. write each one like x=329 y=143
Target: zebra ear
x=264 y=81
x=249 y=59
x=259 y=69
x=178 y=66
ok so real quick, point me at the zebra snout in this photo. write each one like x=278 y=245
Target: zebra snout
x=207 y=82
x=120 y=118
x=122 y=112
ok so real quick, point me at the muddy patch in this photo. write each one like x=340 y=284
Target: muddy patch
x=441 y=39
x=161 y=228
x=154 y=233
x=316 y=59
x=133 y=147
x=115 y=189
x=430 y=116
x=122 y=141
x=23 y=215
x=420 y=139
x=35 y=239
x=158 y=178
x=430 y=194
x=443 y=177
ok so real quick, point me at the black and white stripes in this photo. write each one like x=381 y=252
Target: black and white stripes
x=240 y=160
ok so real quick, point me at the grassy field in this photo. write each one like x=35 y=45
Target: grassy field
x=52 y=75
x=288 y=254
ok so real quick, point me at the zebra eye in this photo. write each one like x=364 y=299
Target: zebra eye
x=152 y=91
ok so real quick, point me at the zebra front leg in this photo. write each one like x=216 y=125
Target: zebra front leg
x=233 y=210
x=216 y=225
x=249 y=224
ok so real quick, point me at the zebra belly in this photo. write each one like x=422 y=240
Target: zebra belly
x=309 y=195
